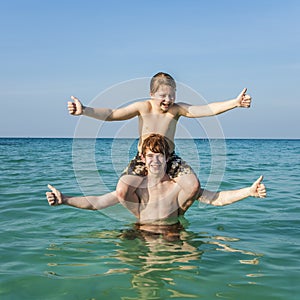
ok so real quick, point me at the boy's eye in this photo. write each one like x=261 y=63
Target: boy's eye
x=164 y=96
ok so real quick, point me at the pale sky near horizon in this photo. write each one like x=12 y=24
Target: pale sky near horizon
x=50 y=50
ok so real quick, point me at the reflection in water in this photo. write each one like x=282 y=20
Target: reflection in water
x=157 y=264
x=224 y=247
x=156 y=257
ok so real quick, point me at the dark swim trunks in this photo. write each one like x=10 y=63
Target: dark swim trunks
x=176 y=167
x=166 y=232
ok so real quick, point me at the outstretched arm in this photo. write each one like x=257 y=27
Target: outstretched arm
x=55 y=197
x=106 y=114
x=215 y=108
x=257 y=189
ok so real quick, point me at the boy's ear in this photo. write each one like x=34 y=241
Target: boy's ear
x=151 y=95
x=143 y=158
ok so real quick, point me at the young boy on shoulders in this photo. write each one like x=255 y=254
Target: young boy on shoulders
x=160 y=115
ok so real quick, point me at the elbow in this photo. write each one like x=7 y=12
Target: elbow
x=92 y=207
x=217 y=203
x=110 y=116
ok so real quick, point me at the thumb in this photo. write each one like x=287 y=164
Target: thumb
x=243 y=92
x=52 y=188
x=76 y=100
x=259 y=180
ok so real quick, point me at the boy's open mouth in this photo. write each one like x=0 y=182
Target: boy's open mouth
x=165 y=106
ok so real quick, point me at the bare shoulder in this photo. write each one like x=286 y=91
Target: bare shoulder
x=181 y=108
x=179 y=105
x=138 y=106
x=144 y=106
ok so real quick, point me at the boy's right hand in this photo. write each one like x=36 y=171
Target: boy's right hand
x=258 y=189
x=75 y=108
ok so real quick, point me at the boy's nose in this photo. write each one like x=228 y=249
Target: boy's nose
x=155 y=159
x=168 y=99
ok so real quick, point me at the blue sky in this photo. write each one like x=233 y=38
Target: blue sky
x=50 y=50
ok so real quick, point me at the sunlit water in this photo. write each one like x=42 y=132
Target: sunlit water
x=248 y=250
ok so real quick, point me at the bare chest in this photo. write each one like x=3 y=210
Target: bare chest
x=163 y=124
x=158 y=202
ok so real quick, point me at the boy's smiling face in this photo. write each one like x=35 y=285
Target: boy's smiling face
x=155 y=162
x=164 y=97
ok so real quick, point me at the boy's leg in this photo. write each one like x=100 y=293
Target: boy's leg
x=191 y=183
x=185 y=177
x=126 y=192
x=130 y=180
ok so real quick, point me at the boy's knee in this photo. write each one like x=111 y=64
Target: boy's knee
x=125 y=191
x=122 y=191
x=195 y=185
x=191 y=183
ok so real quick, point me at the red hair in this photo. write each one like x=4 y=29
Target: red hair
x=157 y=144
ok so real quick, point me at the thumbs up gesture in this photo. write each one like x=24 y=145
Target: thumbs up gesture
x=243 y=99
x=75 y=108
x=54 y=197
x=258 y=189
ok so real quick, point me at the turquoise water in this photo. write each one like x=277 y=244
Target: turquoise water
x=248 y=250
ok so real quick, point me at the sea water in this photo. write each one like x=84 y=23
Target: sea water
x=247 y=250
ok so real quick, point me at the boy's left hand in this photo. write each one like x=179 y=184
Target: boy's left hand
x=243 y=99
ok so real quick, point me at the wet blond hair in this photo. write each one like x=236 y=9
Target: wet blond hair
x=159 y=79
x=157 y=144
